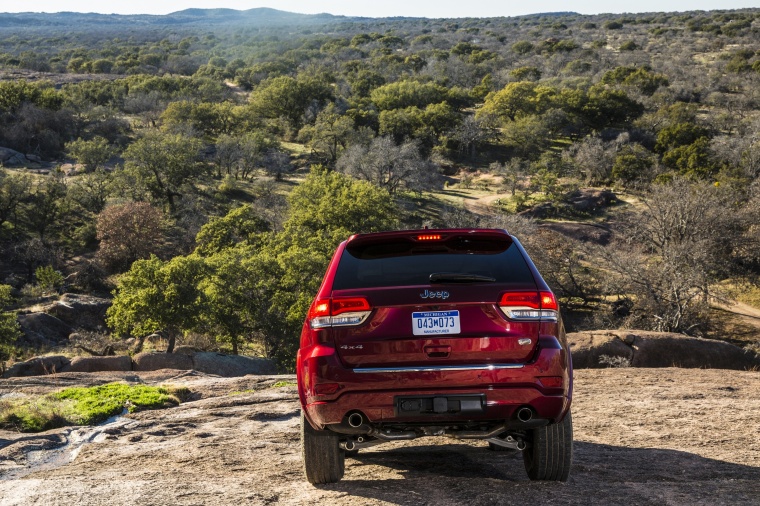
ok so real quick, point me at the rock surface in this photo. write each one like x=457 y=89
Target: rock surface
x=156 y=361
x=41 y=329
x=38 y=366
x=642 y=437
x=99 y=364
x=12 y=158
x=656 y=349
x=80 y=311
x=231 y=365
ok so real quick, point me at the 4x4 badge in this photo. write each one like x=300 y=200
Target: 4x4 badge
x=427 y=294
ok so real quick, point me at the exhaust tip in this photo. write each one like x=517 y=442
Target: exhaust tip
x=524 y=414
x=521 y=445
x=349 y=445
x=355 y=420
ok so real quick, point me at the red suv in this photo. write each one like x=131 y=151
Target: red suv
x=434 y=333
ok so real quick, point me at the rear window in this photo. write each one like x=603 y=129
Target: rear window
x=402 y=263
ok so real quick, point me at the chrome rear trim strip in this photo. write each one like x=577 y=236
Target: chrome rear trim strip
x=438 y=368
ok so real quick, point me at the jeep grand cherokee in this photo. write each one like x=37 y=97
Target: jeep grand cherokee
x=434 y=333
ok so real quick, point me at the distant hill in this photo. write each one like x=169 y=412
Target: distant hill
x=251 y=17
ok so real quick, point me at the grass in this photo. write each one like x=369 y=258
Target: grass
x=284 y=384
x=84 y=405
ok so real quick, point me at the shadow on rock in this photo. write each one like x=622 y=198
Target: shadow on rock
x=601 y=474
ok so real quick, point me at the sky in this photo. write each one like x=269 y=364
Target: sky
x=379 y=8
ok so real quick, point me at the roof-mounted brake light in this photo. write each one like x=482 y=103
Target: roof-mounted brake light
x=429 y=237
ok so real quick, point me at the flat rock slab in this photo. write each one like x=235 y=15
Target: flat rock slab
x=636 y=348
x=642 y=437
x=231 y=365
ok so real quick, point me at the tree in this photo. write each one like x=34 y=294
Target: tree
x=92 y=154
x=242 y=224
x=155 y=296
x=519 y=99
x=390 y=166
x=9 y=327
x=330 y=134
x=672 y=253
x=289 y=98
x=128 y=232
x=402 y=94
x=46 y=205
x=165 y=165
x=634 y=163
x=14 y=190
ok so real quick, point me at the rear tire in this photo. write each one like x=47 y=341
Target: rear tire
x=551 y=452
x=323 y=459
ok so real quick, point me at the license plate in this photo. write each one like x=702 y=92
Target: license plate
x=429 y=323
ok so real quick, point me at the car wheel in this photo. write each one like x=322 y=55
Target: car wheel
x=323 y=459
x=551 y=452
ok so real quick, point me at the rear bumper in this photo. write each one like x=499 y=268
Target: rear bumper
x=374 y=392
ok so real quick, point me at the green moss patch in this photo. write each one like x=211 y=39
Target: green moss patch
x=83 y=406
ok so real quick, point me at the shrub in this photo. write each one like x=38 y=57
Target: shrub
x=128 y=232
x=48 y=279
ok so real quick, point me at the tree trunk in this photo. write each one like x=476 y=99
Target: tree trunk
x=172 y=340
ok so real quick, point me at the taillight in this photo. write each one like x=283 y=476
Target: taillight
x=529 y=306
x=338 y=312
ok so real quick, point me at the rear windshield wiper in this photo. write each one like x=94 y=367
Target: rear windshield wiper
x=458 y=277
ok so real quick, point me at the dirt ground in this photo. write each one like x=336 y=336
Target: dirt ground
x=642 y=436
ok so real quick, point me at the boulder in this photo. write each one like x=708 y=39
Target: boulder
x=232 y=365
x=80 y=311
x=42 y=329
x=38 y=366
x=657 y=349
x=185 y=350
x=12 y=158
x=587 y=348
x=156 y=361
x=99 y=364
x=590 y=199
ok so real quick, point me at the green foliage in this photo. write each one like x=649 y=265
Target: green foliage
x=522 y=47
x=14 y=190
x=92 y=153
x=165 y=165
x=244 y=282
x=9 y=327
x=15 y=93
x=641 y=78
x=210 y=119
x=691 y=159
x=82 y=406
x=48 y=278
x=519 y=99
x=402 y=94
x=679 y=134
x=526 y=73
x=288 y=97
x=632 y=164
x=159 y=296
x=242 y=224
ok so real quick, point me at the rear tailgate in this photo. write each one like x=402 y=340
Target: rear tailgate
x=454 y=321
